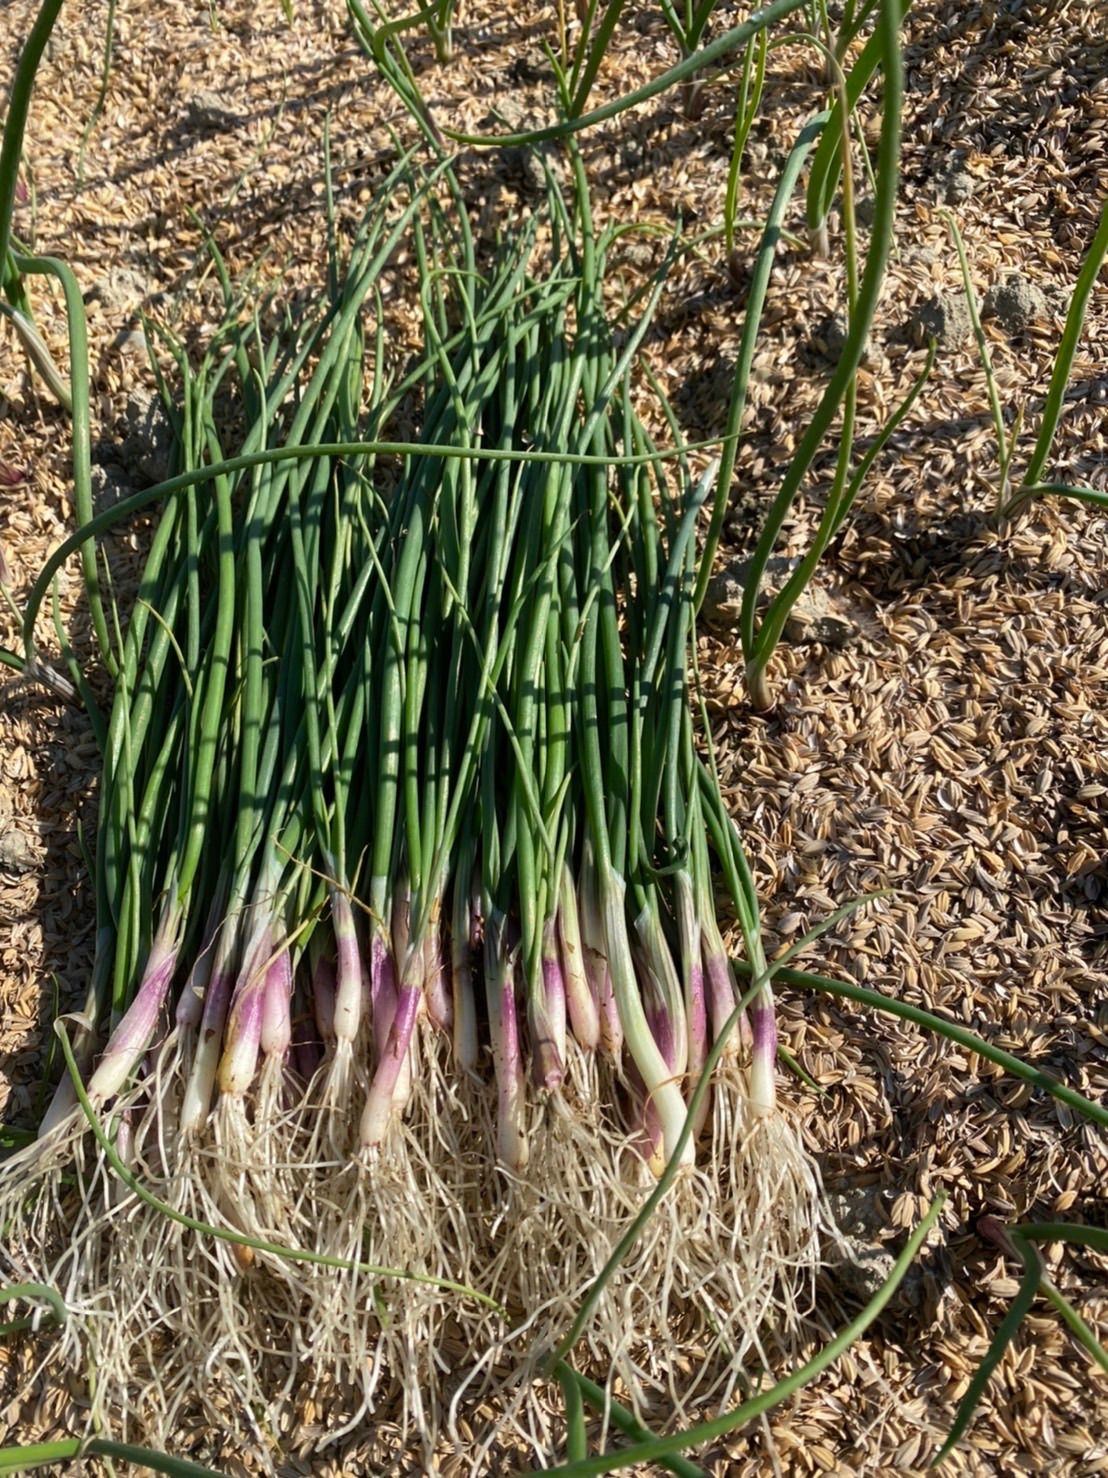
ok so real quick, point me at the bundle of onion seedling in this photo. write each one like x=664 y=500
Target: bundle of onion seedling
x=408 y=959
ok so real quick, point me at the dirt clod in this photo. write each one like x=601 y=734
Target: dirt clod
x=524 y=166
x=17 y=853
x=860 y=1262
x=209 y=112
x=1015 y=303
x=943 y=317
x=831 y=339
x=121 y=293
x=815 y=617
x=110 y=484
x=148 y=444
x=920 y=256
x=955 y=185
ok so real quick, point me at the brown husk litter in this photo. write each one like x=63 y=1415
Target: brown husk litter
x=954 y=749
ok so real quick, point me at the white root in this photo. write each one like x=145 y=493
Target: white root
x=182 y=1318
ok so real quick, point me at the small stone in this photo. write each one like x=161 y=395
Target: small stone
x=1015 y=303
x=865 y=1271
x=834 y=331
x=513 y=115
x=638 y=251
x=944 y=317
x=147 y=449
x=633 y=152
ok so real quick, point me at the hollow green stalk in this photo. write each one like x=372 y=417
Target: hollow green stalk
x=759 y=648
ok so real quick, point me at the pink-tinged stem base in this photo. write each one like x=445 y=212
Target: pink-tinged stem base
x=277 y=1007
x=139 y=1022
x=697 y=1015
x=641 y=1044
x=190 y=1002
x=763 y=1062
x=511 y=1086
x=599 y=976
x=511 y=1089
x=692 y=969
x=243 y=1035
x=436 y=987
x=197 y=1099
x=581 y=1002
x=723 y=998
x=383 y=1089
x=348 y=968
x=651 y=1142
x=548 y=1017
x=382 y=990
